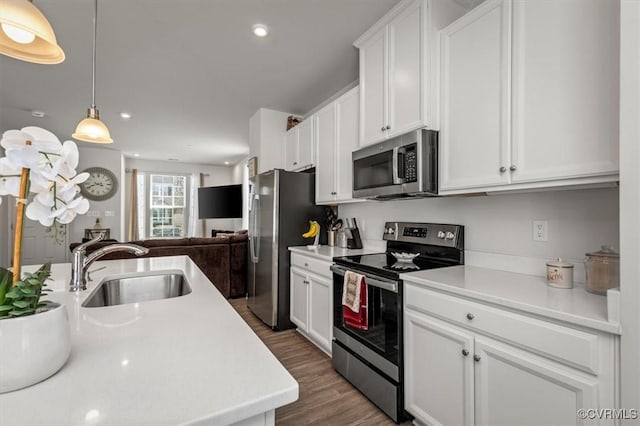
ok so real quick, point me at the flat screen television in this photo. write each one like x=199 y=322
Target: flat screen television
x=220 y=202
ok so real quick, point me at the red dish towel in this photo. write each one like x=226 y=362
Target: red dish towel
x=354 y=301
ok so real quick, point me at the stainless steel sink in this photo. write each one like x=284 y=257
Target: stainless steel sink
x=140 y=288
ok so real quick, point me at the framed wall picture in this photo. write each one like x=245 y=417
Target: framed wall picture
x=252 y=164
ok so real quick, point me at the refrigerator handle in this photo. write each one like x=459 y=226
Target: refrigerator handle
x=254 y=241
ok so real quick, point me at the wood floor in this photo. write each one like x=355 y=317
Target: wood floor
x=325 y=397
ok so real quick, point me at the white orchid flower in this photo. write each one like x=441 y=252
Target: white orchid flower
x=9 y=178
x=33 y=156
x=40 y=212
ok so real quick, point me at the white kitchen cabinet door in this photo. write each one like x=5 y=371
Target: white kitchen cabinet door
x=320 y=311
x=565 y=89
x=373 y=87
x=299 y=308
x=514 y=387
x=325 y=128
x=475 y=98
x=406 y=72
x=348 y=116
x=305 y=144
x=291 y=149
x=438 y=373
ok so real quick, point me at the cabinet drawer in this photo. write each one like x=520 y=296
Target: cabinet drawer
x=574 y=347
x=311 y=264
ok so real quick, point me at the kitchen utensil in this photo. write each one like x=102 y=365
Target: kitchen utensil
x=337 y=225
x=331 y=238
x=560 y=274
x=603 y=270
x=341 y=238
x=353 y=241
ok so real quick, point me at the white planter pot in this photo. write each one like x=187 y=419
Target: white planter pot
x=33 y=348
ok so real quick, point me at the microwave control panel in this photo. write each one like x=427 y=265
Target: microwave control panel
x=411 y=164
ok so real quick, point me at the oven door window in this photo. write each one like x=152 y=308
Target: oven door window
x=373 y=171
x=383 y=332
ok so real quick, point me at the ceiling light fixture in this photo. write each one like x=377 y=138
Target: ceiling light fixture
x=37 y=114
x=226 y=163
x=91 y=129
x=26 y=34
x=260 y=30
x=125 y=115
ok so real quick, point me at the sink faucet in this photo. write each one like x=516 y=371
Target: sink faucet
x=81 y=261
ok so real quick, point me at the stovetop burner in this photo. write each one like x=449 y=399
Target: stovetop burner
x=433 y=245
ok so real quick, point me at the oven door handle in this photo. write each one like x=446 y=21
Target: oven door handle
x=391 y=286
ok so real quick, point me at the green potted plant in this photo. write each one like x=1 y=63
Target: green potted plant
x=39 y=172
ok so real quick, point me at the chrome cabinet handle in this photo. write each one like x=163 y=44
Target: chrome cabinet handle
x=503 y=169
x=465 y=352
x=512 y=168
x=470 y=316
x=383 y=128
x=295 y=163
x=388 y=127
x=306 y=265
x=476 y=358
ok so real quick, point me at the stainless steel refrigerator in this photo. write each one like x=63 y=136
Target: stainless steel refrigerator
x=280 y=206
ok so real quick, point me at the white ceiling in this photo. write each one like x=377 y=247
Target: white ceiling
x=190 y=71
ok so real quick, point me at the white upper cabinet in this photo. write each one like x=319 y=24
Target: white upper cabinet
x=299 y=146
x=265 y=131
x=565 y=89
x=397 y=56
x=475 y=113
x=336 y=127
x=529 y=96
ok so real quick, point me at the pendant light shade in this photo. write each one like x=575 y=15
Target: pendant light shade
x=26 y=34
x=91 y=129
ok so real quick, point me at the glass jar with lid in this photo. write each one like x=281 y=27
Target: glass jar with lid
x=603 y=270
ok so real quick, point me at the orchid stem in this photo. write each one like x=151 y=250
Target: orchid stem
x=17 y=240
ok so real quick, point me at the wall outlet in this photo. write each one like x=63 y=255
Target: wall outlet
x=93 y=213
x=109 y=213
x=539 y=230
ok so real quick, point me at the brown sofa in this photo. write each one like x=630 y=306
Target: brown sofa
x=222 y=259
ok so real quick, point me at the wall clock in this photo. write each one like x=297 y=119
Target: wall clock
x=101 y=185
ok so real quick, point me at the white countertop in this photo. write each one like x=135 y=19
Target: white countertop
x=526 y=293
x=328 y=253
x=174 y=361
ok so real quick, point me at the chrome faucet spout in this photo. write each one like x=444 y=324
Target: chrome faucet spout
x=81 y=261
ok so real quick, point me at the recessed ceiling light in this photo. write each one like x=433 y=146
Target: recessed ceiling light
x=172 y=159
x=37 y=114
x=136 y=155
x=125 y=115
x=260 y=30
x=226 y=163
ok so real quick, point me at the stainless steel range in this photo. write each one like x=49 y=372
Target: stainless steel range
x=369 y=353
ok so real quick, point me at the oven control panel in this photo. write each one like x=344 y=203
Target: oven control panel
x=438 y=234
x=414 y=231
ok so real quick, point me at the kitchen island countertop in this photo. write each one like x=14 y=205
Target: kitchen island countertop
x=185 y=360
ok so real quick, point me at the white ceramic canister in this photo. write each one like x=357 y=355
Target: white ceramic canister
x=560 y=274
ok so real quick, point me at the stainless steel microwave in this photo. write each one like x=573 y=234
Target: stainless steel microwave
x=404 y=166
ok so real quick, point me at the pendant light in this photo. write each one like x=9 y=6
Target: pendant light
x=91 y=129
x=25 y=34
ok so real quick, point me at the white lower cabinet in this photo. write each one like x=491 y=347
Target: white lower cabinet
x=311 y=299
x=461 y=369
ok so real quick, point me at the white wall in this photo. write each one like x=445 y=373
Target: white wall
x=91 y=156
x=579 y=221
x=214 y=176
x=4 y=234
x=630 y=203
x=240 y=174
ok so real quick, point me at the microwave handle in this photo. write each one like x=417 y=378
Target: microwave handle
x=397 y=151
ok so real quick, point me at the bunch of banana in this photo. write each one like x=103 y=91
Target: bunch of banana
x=314 y=229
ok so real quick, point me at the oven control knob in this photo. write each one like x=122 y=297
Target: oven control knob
x=441 y=235
x=450 y=236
